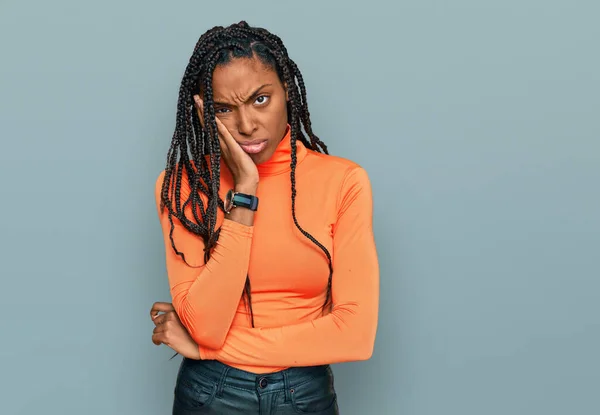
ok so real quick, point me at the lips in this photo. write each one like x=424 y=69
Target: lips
x=254 y=147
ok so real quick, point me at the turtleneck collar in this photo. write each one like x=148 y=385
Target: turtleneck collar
x=282 y=157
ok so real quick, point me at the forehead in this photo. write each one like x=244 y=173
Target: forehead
x=240 y=77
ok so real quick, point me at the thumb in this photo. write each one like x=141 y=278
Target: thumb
x=160 y=307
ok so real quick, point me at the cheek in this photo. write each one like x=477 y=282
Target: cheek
x=273 y=119
x=279 y=116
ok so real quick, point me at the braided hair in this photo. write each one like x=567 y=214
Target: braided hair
x=192 y=145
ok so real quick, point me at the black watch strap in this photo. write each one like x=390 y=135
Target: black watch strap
x=236 y=199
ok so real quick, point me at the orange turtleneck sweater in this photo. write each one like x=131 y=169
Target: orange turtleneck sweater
x=288 y=272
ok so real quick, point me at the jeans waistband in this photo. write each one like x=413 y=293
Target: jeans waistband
x=225 y=375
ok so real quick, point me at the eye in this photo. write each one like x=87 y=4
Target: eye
x=261 y=100
x=221 y=110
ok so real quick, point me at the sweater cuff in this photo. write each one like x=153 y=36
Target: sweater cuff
x=236 y=228
x=204 y=353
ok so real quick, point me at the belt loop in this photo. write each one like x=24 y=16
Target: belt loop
x=286 y=386
x=221 y=383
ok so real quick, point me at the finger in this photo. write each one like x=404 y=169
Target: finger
x=160 y=306
x=234 y=150
x=156 y=338
x=224 y=148
x=224 y=131
x=225 y=135
x=163 y=318
x=159 y=329
x=160 y=319
x=228 y=144
x=159 y=339
x=225 y=152
x=155 y=313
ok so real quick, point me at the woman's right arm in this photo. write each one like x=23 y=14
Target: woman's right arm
x=205 y=295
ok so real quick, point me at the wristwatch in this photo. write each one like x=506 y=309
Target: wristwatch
x=236 y=199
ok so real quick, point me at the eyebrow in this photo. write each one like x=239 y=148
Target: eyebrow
x=254 y=94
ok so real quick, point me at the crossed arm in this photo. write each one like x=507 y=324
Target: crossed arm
x=345 y=334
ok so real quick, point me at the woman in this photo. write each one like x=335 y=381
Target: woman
x=265 y=296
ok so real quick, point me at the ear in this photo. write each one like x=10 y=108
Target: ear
x=197 y=101
x=287 y=95
x=198 y=104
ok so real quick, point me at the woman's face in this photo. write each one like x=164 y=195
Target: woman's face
x=250 y=101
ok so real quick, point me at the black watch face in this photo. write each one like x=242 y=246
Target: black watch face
x=229 y=201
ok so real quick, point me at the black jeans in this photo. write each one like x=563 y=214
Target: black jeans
x=211 y=387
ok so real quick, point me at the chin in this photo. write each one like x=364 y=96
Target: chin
x=257 y=158
x=263 y=156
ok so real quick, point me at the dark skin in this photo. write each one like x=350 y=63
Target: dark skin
x=250 y=107
x=251 y=113
x=168 y=330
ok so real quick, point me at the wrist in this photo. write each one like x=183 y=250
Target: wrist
x=240 y=204
x=248 y=189
x=242 y=216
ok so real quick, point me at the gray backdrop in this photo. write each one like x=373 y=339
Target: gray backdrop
x=478 y=122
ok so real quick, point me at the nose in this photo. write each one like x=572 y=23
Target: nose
x=246 y=123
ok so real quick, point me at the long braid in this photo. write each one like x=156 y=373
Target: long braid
x=196 y=150
x=296 y=119
x=316 y=142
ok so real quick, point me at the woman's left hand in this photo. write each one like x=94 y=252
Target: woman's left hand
x=171 y=332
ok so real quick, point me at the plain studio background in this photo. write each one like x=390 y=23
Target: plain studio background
x=478 y=122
